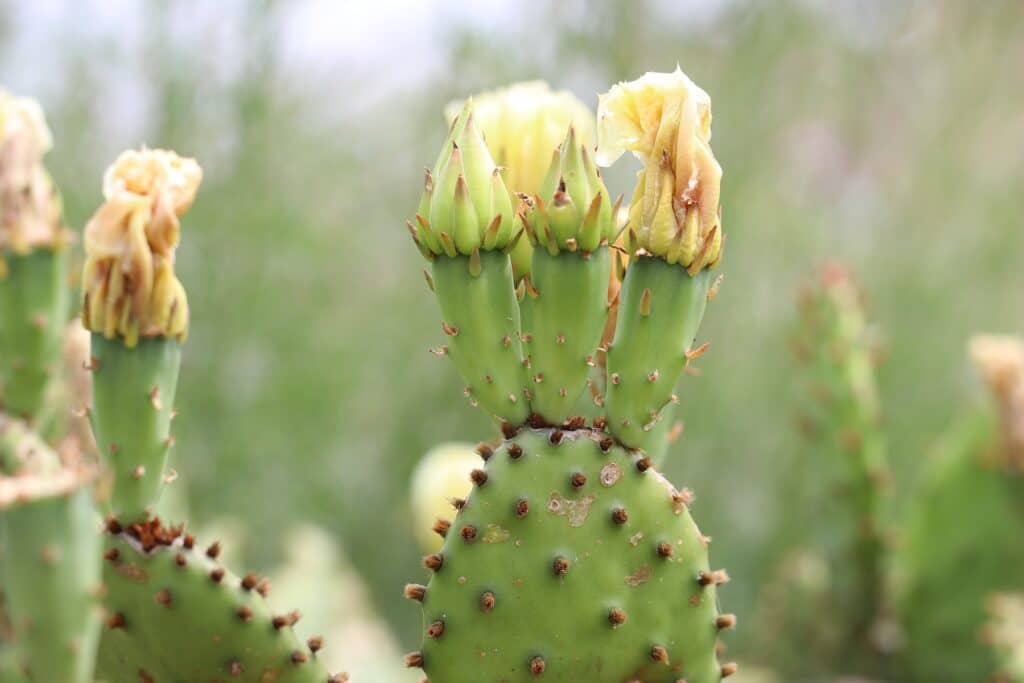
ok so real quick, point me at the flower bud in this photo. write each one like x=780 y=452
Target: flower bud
x=665 y=120
x=464 y=197
x=572 y=209
x=128 y=282
x=522 y=124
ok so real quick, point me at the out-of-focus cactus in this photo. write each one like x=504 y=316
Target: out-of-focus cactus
x=572 y=558
x=963 y=536
x=33 y=260
x=49 y=564
x=1004 y=633
x=843 y=419
x=441 y=477
x=522 y=123
x=318 y=579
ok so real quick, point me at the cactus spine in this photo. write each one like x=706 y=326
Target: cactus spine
x=572 y=558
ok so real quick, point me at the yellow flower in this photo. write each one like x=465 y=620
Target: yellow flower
x=523 y=124
x=1000 y=360
x=32 y=209
x=665 y=120
x=129 y=285
x=442 y=475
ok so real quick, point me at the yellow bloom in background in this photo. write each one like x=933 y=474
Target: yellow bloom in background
x=665 y=120
x=129 y=283
x=1000 y=360
x=441 y=476
x=32 y=210
x=523 y=124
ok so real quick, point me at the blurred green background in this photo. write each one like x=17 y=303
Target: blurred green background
x=885 y=134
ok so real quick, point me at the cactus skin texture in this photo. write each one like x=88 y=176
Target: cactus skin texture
x=481 y=322
x=50 y=568
x=954 y=555
x=660 y=308
x=175 y=614
x=571 y=561
x=133 y=404
x=34 y=302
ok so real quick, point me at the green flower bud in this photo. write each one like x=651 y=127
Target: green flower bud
x=572 y=211
x=465 y=205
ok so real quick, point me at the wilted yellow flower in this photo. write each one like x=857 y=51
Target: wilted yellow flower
x=31 y=208
x=523 y=124
x=665 y=120
x=128 y=283
x=441 y=476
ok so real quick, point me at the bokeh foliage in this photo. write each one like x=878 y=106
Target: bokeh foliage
x=884 y=134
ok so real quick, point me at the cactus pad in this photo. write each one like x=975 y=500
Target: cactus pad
x=50 y=570
x=571 y=560
x=175 y=614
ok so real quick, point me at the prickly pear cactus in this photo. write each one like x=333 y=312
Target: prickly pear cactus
x=50 y=570
x=572 y=558
x=848 y=451
x=954 y=556
x=167 y=597
x=33 y=260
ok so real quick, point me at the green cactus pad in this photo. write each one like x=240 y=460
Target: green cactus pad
x=567 y=310
x=962 y=543
x=133 y=404
x=571 y=560
x=50 y=569
x=481 y=324
x=660 y=308
x=34 y=303
x=175 y=614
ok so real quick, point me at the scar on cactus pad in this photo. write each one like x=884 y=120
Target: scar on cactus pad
x=573 y=558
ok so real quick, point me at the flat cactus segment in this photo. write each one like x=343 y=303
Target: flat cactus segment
x=34 y=303
x=22 y=449
x=962 y=542
x=567 y=311
x=133 y=404
x=175 y=614
x=571 y=561
x=481 y=325
x=660 y=310
x=50 y=569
